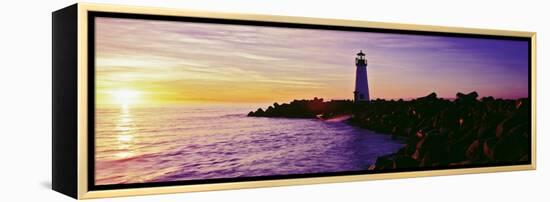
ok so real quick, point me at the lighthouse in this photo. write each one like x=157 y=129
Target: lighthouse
x=361 y=92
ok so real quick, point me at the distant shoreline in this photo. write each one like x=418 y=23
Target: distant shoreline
x=438 y=132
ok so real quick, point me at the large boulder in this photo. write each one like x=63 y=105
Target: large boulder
x=474 y=151
x=384 y=162
x=466 y=98
x=402 y=161
x=510 y=148
x=430 y=97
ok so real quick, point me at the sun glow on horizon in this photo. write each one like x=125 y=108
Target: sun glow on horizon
x=126 y=97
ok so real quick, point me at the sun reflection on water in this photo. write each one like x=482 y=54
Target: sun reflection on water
x=124 y=138
x=123 y=155
x=125 y=134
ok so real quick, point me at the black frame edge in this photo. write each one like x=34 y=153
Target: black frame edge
x=64 y=100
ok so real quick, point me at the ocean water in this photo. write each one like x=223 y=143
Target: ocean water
x=176 y=143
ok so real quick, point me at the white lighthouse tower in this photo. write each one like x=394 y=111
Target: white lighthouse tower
x=361 y=92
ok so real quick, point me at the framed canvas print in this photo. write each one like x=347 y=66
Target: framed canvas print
x=151 y=101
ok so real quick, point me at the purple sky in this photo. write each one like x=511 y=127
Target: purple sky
x=175 y=61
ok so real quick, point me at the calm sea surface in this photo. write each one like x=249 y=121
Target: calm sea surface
x=178 y=143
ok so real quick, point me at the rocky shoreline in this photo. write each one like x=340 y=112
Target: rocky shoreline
x=438 y=132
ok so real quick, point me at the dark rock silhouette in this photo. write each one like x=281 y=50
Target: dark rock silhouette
x=438 y=132
x=306 y=109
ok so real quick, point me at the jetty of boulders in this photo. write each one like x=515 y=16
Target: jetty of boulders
x=437 y=132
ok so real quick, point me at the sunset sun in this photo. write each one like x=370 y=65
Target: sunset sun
x=126 y=97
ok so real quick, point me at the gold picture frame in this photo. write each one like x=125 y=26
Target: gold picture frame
x=70 y=161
